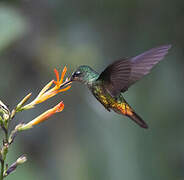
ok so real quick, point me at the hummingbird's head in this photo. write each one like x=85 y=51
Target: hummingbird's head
x=84 y=74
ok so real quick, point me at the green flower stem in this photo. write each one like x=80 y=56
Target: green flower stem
x=2 y=170
x=4 y=150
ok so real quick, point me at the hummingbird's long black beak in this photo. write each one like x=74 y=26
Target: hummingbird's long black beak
x=66 y=83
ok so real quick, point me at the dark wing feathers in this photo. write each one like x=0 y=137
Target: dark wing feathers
x=143 y=63
x=120 y=73
x=123 y=73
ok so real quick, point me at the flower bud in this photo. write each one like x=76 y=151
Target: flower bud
x=13 y=167
x=22 y=159
x=4 y=111
x=24 y=100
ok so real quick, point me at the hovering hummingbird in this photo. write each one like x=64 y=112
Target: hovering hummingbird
x=109 y=86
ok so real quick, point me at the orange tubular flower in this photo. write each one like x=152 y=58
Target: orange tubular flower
x=58 y=108
x=45 y=93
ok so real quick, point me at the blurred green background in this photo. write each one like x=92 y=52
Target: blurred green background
x=85 y=142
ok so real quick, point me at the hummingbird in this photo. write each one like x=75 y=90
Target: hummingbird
x=109 y=86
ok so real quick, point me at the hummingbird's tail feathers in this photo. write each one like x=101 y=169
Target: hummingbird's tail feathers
x=137 y=119
x=125 y=109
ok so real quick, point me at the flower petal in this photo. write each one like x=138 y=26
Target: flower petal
x=57 y=74
x=62 y=75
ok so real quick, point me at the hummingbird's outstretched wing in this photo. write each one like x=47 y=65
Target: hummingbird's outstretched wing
x=123 y=73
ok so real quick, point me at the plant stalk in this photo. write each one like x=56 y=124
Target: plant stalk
x=2 y=170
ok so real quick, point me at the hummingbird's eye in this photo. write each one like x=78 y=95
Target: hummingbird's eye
x=77 y=73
